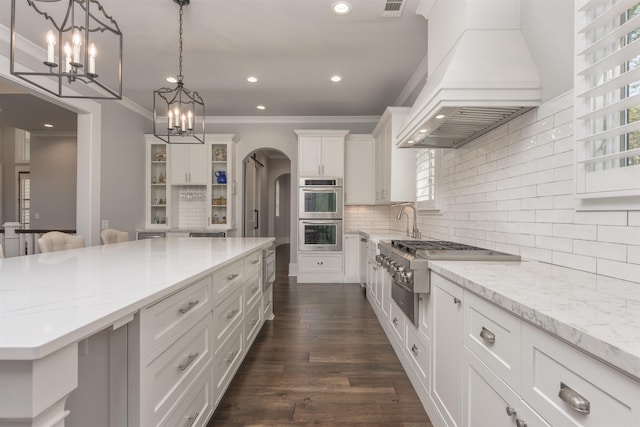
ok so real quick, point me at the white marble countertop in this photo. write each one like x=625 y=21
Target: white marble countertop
x=597 y=314
x=380 y=234
x=50 y=300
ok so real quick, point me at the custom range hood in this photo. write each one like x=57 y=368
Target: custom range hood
x=487 y=79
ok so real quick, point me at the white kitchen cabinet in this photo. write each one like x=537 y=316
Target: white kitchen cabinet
x=490 y=402
x=221 y=180
x=352 y=257
x=363 y=260
x=157 y=194
x=321 y=153
x=448 y=318
x=358 y=170
x=320 y=267
x=187 y=165
x=569 y=388
x=395 y=168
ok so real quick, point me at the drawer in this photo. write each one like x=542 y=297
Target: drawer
x=425 y=315
x=551 y=367
x=253 y=320
x=418 y=350
x=252 y=289
x=226 y=280
x=253 y=263
x=494 y=336
x=162 y=323
x=226 y=362
x=197 y=406
x=488 y=401
x=227 y=316
x=320 y=262
x=397 y=321
x=169 y=376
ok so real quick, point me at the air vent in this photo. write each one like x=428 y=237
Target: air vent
x=392 y=9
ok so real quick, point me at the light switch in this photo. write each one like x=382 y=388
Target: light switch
x=105 y=224
x=36 y=215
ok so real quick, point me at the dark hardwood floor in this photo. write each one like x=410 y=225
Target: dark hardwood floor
x=323 y=361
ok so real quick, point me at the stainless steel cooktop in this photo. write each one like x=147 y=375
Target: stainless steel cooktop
x=443 y=250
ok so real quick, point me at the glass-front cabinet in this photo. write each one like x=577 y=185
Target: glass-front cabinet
x=175 y=204
x=157 y=185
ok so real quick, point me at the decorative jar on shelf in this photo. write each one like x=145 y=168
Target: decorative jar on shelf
x=221 y=155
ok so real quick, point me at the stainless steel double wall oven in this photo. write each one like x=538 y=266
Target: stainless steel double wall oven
x=320 y=212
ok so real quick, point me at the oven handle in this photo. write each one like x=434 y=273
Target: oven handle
x=319 y=223
x=320 y=190
x=402 y=285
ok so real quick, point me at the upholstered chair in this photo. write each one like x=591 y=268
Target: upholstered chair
x=54 y=241
x=111 y=235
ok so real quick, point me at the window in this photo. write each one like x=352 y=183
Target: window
x=427 y=178
x=24 y=199
x=607 y=108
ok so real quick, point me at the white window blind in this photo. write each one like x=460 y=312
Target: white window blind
x=607 y=91
x=426 y=178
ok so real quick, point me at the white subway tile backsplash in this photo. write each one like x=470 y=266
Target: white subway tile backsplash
x=513 y=190
x=610 y=251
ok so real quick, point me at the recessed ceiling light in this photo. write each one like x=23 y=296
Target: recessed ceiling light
x=411 y=141
x=261 y=107
x=341 y=7
x=252 y=79
x=48 y=125
x=172 y=79
x=336 y=79
x=423 y=130
x=440 y=116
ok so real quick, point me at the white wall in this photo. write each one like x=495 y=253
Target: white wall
x=53 y=180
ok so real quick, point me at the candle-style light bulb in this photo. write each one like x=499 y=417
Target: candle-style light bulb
x=51 y=42
x=184 y=124
x=176 y=114
x=67 y=57
x=170 y=114
x=93 y=52
x=77 y=41
x=190 y=120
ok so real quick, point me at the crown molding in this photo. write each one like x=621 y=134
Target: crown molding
x=290 y=119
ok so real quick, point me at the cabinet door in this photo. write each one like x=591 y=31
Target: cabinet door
x=351 y=258
x=489 y=402
x=447 y=349
x=382 y=163
x=309 y=156
x=358 y=171
x=220 y=179
x=363 y=260
x=332 y=156
x=197 y=164
x=179 y=164
x=157 y=195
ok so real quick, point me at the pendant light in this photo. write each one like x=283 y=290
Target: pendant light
x=178 y=114
x=80 y=53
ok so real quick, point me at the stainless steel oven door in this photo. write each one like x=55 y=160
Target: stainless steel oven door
x=320 y=235
x=320 y=202
x=406 y=300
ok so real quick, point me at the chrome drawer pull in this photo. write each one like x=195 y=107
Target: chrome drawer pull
x=456 y=300
x=573 y=399
x=254 y=290
x=254 y=322
x=188 y=307
x=414 y=349
x=232 y=276
x=395 y=321
x=487 y=335
x=189 y=361
x=255 y=261
x=192 y=419
x=232 y=313
x=510 y=411
x=231 y=357
x=520 y=423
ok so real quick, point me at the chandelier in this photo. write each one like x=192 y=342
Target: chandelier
x=178 y=114
x=83 y=45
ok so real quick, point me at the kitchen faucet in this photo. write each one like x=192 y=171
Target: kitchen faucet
x=415 y=234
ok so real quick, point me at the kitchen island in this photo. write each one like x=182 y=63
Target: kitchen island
x=52 y=304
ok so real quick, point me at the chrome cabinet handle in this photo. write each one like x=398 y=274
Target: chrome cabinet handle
x=395 y=321
x=188 y=307
x=254 y=290
x=184 y=365
x=510 y=411
x=456 y=300
x=255 y=261
x=232 y=276
x=192 y=419
x=232 y=313
x=231 y=357
x=254 y=322
x=414 y=349
x=520 y=423
x=573 y=399
x=488 y=336
x=320 y=263
x=363 y=240
x=375 y=268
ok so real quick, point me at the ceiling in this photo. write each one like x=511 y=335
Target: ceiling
x=293 y=47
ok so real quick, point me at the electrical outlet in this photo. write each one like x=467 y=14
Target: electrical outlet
x=105 y=224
